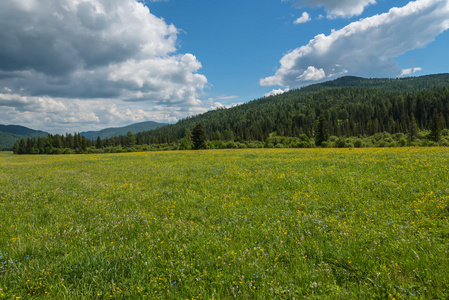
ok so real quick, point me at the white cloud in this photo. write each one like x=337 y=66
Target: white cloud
x=305 y=17
x=224 y=97
x=275 y=92
x=339 y=8
x=410 y=71
x=61 y=115
x=312 y=74
x=366 y=47
x=93 y=53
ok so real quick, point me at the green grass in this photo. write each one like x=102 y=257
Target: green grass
x=249 y=224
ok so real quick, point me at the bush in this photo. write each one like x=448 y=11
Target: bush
x=240 y=145
x=402 y=142
x=56 y=151
x=393 y=144
x=326 y=144
x=340 y=143
x=304 y=138
x=333 y=138
x=423 y=134
x=68 y=151
x=185 y=145
x=378 y=136
x=358 y=143
x=231 y=145
x=443 y=142
x=381 y=144
x=398 y=136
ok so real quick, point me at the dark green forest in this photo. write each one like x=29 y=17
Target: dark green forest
x=347 y=112
x=11 y=133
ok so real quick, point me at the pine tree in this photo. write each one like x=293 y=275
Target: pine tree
x=435 y=129
x=322 y=133
x=130 y=139
x=15 y=148
x=199 y=137
x=83 y=143
x=99 y=143
x=413 y=130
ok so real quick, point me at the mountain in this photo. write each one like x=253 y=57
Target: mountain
x=352 y=105
x=404 y=84
x=10 y=133
x=117 y=131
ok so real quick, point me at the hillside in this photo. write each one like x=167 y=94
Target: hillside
x=10 y=133
x=117 y=131
x=405 y=84
x=352 y=105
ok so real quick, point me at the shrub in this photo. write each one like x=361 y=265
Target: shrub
x=231 y=145
x=402 y=142
x=381 y=143
x=341 y=142
x=358 y=143
x=333 y=138
x=304 y=138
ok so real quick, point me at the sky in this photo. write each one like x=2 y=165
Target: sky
x=78 y=65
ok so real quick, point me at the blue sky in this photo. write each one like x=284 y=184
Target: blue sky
x=77 y=65
x=240 y=42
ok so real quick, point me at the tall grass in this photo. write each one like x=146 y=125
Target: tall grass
x=247 y=224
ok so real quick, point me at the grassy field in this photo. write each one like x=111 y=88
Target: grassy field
x=224 y=224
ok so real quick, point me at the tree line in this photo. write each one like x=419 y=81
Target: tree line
x=349 y=111
x=303 y=118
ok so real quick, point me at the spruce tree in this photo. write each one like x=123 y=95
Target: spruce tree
x=130 y=139
x=199 y=137
x=322 y=133
x=99 y=143
x=435 y=129
x=15 y=148
x=413 y=130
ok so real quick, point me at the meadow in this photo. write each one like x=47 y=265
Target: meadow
x=223 y=224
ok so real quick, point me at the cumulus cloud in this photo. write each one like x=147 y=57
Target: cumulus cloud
x=114 y=51
x=339 y=8
x=410 y=71
x=366 y=47
x=275 y=92
x=305 y=17
x=61 y=115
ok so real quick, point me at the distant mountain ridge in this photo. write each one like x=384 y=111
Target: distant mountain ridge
x=10 y=133
x=117 y=131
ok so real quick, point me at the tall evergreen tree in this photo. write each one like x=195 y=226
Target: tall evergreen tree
x=129 y=140
x=413 y=130
x=83 y=143
x=15 y=148
x=322 y=133
x=199 y=137
x=435 y=129
x=99 y=143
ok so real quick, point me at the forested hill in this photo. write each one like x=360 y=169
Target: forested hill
x=10 y=133
x=352 y=106
x=117 y=131
x=406 y=84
